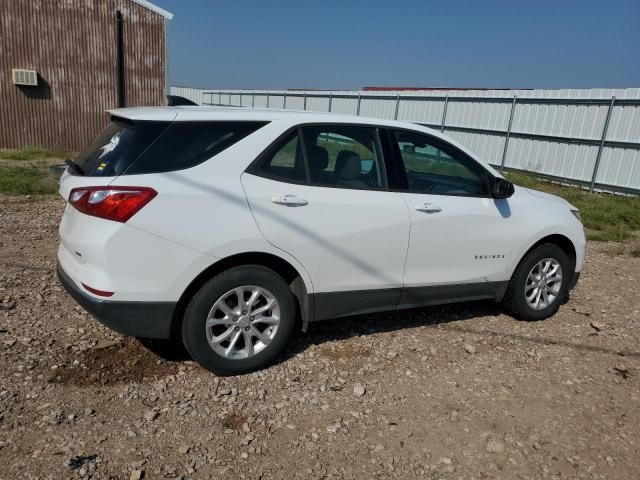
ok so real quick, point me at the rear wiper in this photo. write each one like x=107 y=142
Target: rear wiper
x=74 y=166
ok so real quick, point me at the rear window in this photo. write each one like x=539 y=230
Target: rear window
x=131 y=148
x=116 y=148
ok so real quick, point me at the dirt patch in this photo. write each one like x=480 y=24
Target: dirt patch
x=233 y=421
x=340 y=351
x=116 y=362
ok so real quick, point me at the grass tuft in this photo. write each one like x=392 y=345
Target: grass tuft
x=26 y=180
x=32 y=153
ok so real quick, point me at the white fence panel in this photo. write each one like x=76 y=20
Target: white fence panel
x=421 y=111
x=558 y=133
x=316 y=103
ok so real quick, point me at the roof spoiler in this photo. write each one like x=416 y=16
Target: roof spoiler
x=176 y=101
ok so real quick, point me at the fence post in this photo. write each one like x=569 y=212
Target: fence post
x=267 y=99
x=304 y=105
x=330 y=100
x=444 y=113
x=602 y=140
x=284 y=101
x=395 y=115
x=240 y=98
x=506 y=139
x=358 y=107
x=253 y=100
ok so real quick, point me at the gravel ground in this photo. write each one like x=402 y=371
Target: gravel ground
x=460 y=391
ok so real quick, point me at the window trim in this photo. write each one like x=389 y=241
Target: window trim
x=254 y=167
x=403 y=185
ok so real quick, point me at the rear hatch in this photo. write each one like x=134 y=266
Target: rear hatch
x=136 y=143
x=110 y=154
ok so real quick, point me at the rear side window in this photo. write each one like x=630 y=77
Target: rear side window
x=285 y=161
x=187 y=144
x=343 y=156
x=111 y=153
x=128 y=148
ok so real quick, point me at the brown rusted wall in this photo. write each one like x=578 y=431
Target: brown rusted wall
x=72 y=46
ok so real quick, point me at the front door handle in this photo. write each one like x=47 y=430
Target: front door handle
x=428 y=208
x=289 y=200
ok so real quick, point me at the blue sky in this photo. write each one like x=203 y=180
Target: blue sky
x=350 y=44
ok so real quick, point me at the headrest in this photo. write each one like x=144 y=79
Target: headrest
x=352 y=169
x=341 y=159
x=318 y=158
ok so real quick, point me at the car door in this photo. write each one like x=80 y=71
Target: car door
x=461 y=237
x=320 y=194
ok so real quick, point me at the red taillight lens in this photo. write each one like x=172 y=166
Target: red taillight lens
x=95 y=291
x=111 y=203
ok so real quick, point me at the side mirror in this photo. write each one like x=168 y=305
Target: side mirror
x=502 y=188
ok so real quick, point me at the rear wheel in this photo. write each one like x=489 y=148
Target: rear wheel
x=539 y=284
x=239 y=321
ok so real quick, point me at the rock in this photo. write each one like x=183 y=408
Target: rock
x=224 y=391
x=183 y=449
x=391 y=355
x=359 y=390
x=136 y=474
x=597 y=326
x=80 y=460
x=495 y=446
x=8 y=305
x=105 y=343
x=333 y=428
x=150 y=415
x=469 y=348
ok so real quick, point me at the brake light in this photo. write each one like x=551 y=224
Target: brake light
x=111 y=203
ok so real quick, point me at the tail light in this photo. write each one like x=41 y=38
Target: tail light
x=111 y=203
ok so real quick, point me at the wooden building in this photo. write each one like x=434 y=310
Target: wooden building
x=64 y=62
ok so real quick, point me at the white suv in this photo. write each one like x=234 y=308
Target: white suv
x=223 y=227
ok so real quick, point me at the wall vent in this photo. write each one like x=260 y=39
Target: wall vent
x=24 y=77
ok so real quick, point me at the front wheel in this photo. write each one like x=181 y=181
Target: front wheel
x=239 y=321
x=539 y=284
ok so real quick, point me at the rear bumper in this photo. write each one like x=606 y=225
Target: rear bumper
x=137 y=319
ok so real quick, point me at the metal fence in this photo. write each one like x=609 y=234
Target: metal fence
x=585 y=137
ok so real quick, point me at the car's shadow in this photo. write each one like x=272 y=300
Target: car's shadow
x=383 y=322
x=375 y=323
x=346 y=327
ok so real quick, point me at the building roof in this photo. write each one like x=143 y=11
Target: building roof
x=155 y=8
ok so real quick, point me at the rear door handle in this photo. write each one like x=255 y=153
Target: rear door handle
x=428 y=208
x=289 y=200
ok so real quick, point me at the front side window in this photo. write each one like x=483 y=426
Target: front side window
x=431 y=166
x=343 y=156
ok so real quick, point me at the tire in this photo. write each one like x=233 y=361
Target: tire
x=515 y=300
x=217 y=301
